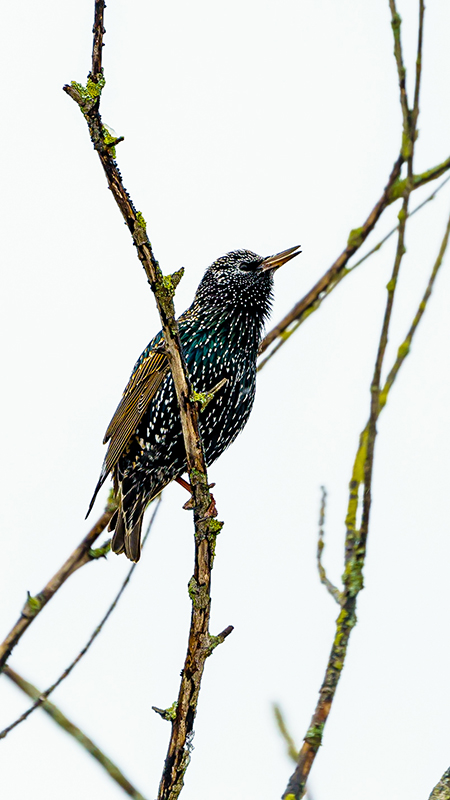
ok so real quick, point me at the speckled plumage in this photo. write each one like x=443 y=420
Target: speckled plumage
x=220 y=334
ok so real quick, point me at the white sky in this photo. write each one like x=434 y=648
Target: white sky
x=258 y=125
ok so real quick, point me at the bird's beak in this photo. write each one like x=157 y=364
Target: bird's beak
x=276 y=261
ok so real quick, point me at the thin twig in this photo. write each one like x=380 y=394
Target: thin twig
x=98 y=31
x=396 y=22
x=56 y=714
x=206 y=528
x=43 y=697
x=292 y=750
x=311 y=302
x=356 y=549
x=379 y=245
x=405 y=347
x=415 y=111
x=442 y=789
x=293 y=326
x=355 y=240
x=332 y=589
x=34 y=605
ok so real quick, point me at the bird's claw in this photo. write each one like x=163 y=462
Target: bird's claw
x=212 y=510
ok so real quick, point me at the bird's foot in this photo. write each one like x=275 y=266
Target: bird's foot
x=189 y=505
x=212 y=510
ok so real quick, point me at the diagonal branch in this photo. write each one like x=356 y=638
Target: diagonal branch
x=281 y=332
x=330 y=587
x=415 y=110
x=356 y=541
x=34 y=605
x=356 y=538
x=206 y=529
x=442 y=789
x=44 y=695
x=356 y=238
x=396 y=22
x=397 y=191
x=355 y=549
x=56 y=714
x=282 y=727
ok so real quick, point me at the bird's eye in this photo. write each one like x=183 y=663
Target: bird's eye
x=248 y=266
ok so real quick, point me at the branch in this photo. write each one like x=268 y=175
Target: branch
x=394 y=190
x=356 y=539
x=419 y=180
x=356 y=545
x=405 y=347
x=396 y=22
x=34 y=605
x=206 y=528
x=415 y=111
x=43 y=696
x=339 y=270
x=54 y=712
x=379 y=244
x=442 y=789
x=305 y=306
x=282 y=727
x=332 y=589
x=398 y=189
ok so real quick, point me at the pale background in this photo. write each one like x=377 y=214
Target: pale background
x=246 y=124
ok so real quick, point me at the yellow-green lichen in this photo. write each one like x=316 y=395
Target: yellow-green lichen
x=34 y=604
x=91 y=91
x=100 y=552
x=403 y=350
x=109 y=137
x=198 y=594
x=170 y=282
x=391 y=285
x=201 y=397
x=314 y=735
x=140 y=219
x=355 y=237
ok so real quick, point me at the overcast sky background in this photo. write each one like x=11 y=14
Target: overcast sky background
x=251 y=124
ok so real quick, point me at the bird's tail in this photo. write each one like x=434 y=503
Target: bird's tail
x=126 y=523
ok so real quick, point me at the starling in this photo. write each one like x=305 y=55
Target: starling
x=220 y=335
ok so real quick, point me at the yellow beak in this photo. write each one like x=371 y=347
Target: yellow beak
x=276 y=261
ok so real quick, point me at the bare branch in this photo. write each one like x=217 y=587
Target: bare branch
x=282 y=727
x=379 y=244
x=415 y=111
x=398 y=189
x=405 y=347
x=356 y=238
x=42 y=697
x=34 y=605
x=206 y=528
x=332 y=589
x=442 y=789
x=419 y=180
x=56 y=714
x=98 y=31
x=356 y=539
x=396 y=22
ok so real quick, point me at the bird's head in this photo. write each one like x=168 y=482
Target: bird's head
x=242 y=279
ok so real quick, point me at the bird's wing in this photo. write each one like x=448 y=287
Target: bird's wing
x=141 y=388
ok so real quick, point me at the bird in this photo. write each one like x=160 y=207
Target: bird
x=220 y=335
